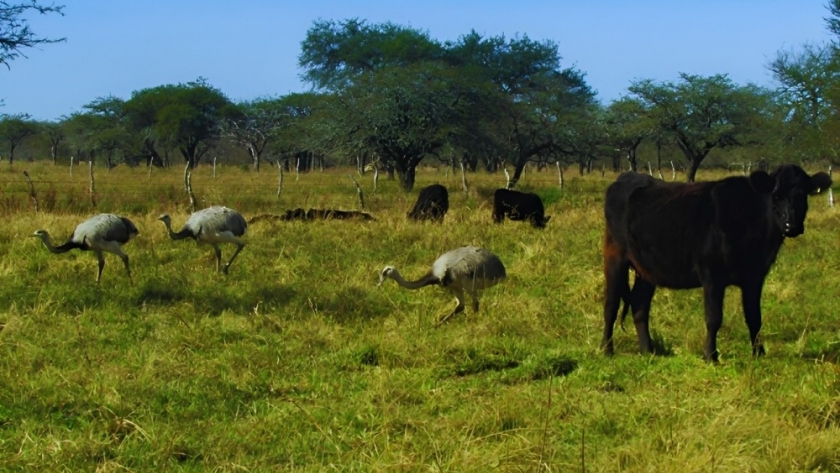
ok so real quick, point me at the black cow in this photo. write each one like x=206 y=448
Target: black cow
x=518 y=206
x=708 y=234
x=432 y=204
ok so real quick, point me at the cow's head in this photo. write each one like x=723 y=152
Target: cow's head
x=541 y=223
x=790 y=187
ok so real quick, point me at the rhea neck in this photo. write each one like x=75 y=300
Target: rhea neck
x=45 y=237
x=426 y=280
x=184 y=233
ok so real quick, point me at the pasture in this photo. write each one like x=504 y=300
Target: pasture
x=296 y=361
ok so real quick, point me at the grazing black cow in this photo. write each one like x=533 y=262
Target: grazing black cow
x=518 y=206
x=707 y=234
x=432 y=204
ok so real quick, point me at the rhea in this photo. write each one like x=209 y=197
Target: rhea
x=100 y=233
x=212 y=226
x=467 y=269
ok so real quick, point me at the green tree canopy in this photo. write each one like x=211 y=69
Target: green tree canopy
x=628 y=124
x=334 y=54
x=187 y=117
x=403 y=96
x=402 y=115
x=14 y=129
x=704 y=113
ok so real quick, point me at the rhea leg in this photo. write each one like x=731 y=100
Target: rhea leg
x=239 y=247
x=124 y=257
x=101 y=259
x=114 y=248
x=459 y=295
x=218 y=252
x=227 y=237
x=474 y=295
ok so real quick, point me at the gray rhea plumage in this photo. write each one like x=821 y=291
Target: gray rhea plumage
x=212 y=226
x=100 y=233
x=467 y=269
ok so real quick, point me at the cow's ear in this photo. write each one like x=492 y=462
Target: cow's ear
x=821 y=182
x=762 y=182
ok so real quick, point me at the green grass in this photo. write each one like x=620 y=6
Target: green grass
x=296 y=361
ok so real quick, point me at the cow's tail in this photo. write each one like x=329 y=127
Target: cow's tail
x=623 y=314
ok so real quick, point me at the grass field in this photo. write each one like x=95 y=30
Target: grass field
x=296 y=361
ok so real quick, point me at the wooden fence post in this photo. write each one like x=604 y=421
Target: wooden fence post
x=375 y=177
x=92 y=190
x=464 y=178
x=279 y=177
x=188 y=186
x=560 y=174
x=359 y=191
x=32 y=194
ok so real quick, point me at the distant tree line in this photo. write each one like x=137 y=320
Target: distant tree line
x=393 y=96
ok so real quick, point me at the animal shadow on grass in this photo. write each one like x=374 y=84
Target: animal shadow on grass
x=211 y=300
x=554 y=366
x=661 y=347
x=351 y=305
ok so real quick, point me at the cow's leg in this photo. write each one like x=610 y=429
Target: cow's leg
x=751 y=298
x=713 y=303
x=498 y=214
x=642 y=295
x=615 y=274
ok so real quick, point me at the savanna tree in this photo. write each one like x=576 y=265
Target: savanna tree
x=14 y=129
x=703 y=113
x=187 y=117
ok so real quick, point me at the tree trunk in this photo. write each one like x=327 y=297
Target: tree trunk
x=692 y=168
x=631 y=157
x=517 y=171
x=255 y=157
x=407 y=177
x=659 y=156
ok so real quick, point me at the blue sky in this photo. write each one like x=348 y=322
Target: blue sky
x=249 y=48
